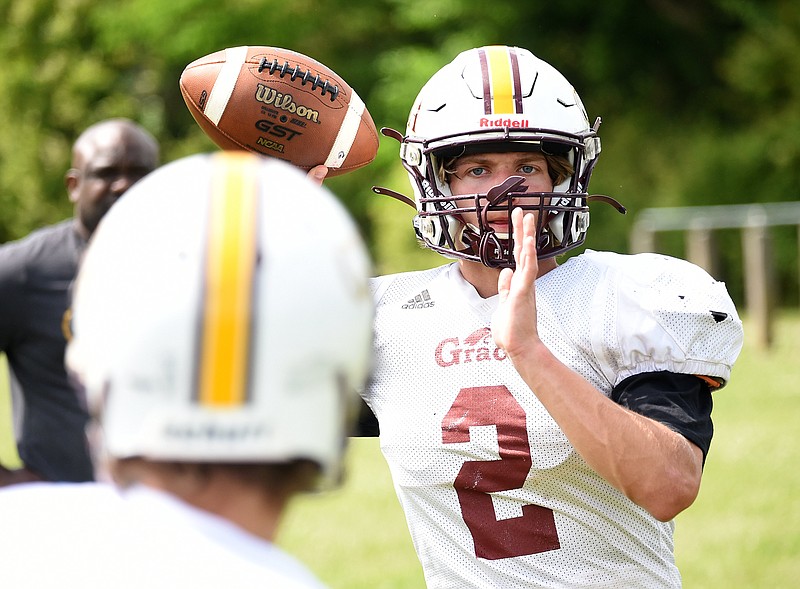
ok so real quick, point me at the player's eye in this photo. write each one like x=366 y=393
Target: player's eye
x=477 y=171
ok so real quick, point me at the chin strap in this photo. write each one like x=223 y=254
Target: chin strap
x=396 y=195
x=398 y=136
x=608 y=200
x=393 y=133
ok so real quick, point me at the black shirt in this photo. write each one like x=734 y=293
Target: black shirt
x=36 y=275
x=682 y=402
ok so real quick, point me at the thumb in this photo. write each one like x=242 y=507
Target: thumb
x=317 y=174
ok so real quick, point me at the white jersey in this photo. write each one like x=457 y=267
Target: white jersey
x=452 y=410
x=91 y=536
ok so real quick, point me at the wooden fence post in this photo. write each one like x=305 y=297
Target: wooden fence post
x=701 y=247
x=758 y=276
x=644 y=240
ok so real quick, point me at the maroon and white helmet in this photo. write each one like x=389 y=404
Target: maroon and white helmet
x=492 y=99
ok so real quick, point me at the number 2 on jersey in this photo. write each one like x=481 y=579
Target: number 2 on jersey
x=535 y=530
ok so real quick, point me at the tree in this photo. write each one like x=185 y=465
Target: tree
x=699 y=100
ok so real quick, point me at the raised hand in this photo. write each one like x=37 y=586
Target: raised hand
x=514 y=321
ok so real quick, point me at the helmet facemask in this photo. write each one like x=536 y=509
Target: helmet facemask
x=562 y=215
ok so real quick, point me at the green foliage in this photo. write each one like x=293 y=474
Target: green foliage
x=700 y=101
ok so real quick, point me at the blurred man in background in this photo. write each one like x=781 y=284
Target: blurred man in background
x=35 y=278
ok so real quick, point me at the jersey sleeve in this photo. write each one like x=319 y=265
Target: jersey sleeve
x=378 y=286
x=666 y=315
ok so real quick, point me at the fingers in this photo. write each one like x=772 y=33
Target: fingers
x=317 y=174
x=504 y=283
x=524 y=237
x=516 y=221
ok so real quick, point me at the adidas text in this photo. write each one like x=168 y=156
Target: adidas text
x=422 y=301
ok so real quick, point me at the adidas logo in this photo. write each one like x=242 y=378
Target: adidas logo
x=422 y=301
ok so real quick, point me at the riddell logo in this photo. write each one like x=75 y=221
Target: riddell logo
x=476 y=347
x=422 y=301
x=511 y=123
x=426 y=186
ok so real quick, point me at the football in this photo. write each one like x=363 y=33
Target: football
x=280 y=103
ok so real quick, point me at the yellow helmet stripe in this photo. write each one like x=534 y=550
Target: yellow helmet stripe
x=502 y=79
x=230 y=267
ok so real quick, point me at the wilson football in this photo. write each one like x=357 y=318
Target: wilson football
x=280 y=103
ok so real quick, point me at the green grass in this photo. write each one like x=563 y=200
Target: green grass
x=8 y=448
x=355 y=537
x=742 y=532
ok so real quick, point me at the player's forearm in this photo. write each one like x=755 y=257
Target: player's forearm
x=656 y=468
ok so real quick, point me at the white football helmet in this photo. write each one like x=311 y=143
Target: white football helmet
x=209 y=332
x=493 y=99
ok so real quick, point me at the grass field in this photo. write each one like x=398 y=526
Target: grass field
x=742 y=532
x=8 y=452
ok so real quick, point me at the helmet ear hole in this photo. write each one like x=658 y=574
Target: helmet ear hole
x=556 y=226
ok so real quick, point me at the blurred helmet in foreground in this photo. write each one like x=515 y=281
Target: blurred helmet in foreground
x=212 y=323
